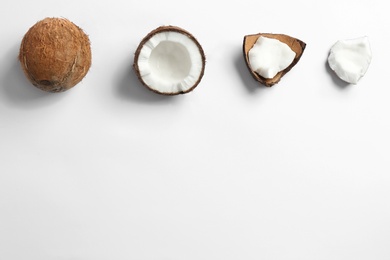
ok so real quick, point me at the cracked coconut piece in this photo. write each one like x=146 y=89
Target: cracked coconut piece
x=270 y=56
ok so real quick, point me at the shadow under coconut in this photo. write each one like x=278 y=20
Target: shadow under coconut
x=17 y=90
x=130 y=88
x=341 y=84
x=247 y=79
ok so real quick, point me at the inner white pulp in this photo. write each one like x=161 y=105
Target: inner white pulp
x=170 y=62
x=270 y=56
x=350 y=59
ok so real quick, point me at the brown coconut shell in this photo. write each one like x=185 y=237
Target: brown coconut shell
x=167 y=29
x=55 y=54
x=296 y=46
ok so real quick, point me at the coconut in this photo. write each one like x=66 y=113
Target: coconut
x=55 y=54
x=169 y=61
x=275 y=43
x=350 y=59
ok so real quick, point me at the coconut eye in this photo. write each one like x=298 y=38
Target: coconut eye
x=169 y=61
x=55 y=54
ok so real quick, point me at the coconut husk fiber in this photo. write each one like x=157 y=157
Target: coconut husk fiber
x=296 y=46
x=55 y=54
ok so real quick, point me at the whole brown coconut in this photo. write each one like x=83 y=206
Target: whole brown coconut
x=55 y=54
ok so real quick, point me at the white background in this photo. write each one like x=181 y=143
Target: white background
x=232 y=170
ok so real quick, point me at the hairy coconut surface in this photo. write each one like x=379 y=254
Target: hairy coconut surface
x=55 y=54
x=296 y=46
x=169 y=61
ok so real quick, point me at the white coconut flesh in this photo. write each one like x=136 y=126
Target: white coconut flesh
x=350 y=59
x=170 y=62
x=270 y=56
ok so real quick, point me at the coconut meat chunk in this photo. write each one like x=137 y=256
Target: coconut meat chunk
x=270 y=56
x=350 y=59
x=170 y=62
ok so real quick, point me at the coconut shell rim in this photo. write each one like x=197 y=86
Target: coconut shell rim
x=168 y=28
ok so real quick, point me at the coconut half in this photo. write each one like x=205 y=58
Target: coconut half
x=265 y=52
x=169 y=61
